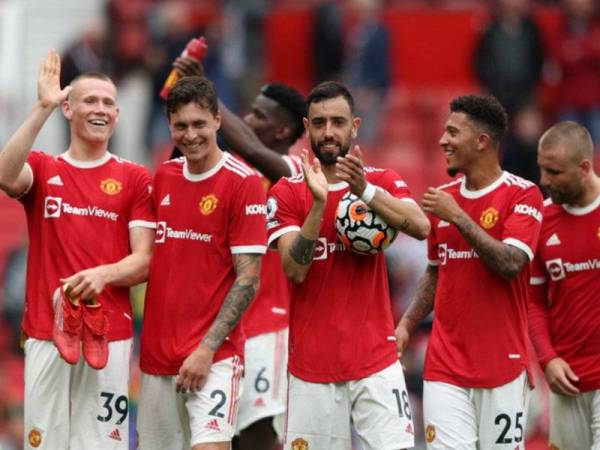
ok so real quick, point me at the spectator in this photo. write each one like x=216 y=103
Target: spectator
x=170 y=31
x=509 y=56
x=520 y=149
x=368 y=66
x=578 y=58
x=89 y=53
x=327 y=41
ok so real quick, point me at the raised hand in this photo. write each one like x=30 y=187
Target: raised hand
x=315 y=178
x=50 y=95
x=187 y=67
x=349 y=168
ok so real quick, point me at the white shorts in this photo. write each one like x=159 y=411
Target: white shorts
x=575 y=422
x=265 y=378
x=168 y=420
x=320 y=414
x=76 y=407
x=475 y=418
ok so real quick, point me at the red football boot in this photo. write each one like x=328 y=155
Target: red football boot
x=95 y=328
x=66 y=332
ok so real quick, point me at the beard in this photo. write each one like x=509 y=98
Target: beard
x=562 y=197
x=452 y=171
x=328 y=159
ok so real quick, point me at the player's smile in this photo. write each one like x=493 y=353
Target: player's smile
x=329 y=145
x=97 y=126
x=193 y=129
x=92 y=109
x=331 y=126
x=456 y=142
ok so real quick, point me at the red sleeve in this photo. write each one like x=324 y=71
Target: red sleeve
x=247 y=226
x=295 y=164
x=522 y=226
x=433 y=258
x=142 y=213
x=539 y=314
x=35 y=160
x=391 y=182
x=283 y=213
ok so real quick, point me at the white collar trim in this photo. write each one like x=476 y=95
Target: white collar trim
x=481 y=192
x=194 y=177
x=86 y=164
x=337 y=186
x=583 y=210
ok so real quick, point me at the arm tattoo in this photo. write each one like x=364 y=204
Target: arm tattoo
x=404 y=224
x=505 y=260
x=302 y=250
x=241 y=293
x=423 y=299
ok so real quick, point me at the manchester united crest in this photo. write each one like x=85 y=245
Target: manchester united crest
x=35 y=438
x=489 y=218
x=111 y=186
x=430 y=433
x=299 y=444
x=208 y=204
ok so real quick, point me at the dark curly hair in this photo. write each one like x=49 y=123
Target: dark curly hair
x=292 y=104
x=330 y=89
x=194 y=89
x=485 y=111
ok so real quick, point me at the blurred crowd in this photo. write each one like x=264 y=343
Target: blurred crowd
x=538 y=80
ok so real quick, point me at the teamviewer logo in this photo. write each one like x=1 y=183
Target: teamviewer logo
x=442 y=253
x=52 y=207
x=161 y=232
x=556 y=269
x=320 y=249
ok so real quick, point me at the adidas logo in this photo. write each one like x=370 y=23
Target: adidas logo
x=55 y=180
x=409 y=428
x=213 y=425
x=259 y=402
x=166 y=201
x=115 y=435
x=553 y=240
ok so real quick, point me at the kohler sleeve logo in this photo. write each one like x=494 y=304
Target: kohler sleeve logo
x=528 y=211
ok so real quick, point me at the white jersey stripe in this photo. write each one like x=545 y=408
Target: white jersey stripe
x=537 y=281
x=142 y=224
x=276 y=235
x=451 y=183
x=520 y=245
x=238 y=249
x=294 y=163
x=239 y=165
x=31 y=180
x=235 y=170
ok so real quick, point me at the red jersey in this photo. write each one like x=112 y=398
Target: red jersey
x=479 y=337
x=269 y=311
x=79 y=214
x=341 y=325
x=564 y=307
x=202 y=220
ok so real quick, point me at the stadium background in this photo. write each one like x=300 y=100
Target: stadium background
x=430 y=56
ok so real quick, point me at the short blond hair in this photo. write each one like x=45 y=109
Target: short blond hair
x=574 y=137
